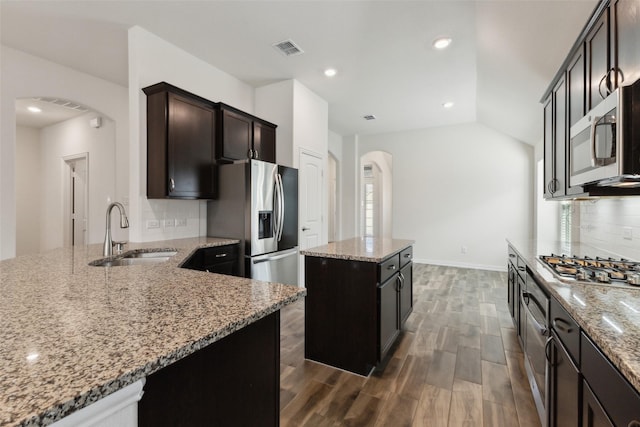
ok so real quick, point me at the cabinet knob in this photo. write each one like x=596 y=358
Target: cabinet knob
x=172 y=185
x=391 y=267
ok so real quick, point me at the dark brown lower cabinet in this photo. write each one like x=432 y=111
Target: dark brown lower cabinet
x=389 y=326
x=564 y=386
x=405 y=297
x=232 y=382
x=616 y=396
x=592 y=413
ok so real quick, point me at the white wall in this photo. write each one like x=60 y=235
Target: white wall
x=153 y=60
x=349 y=183
x=25 y=76
x=335 y=149
x=68 y=138
x=455 y=186
x=28 y=206
x=274 y=103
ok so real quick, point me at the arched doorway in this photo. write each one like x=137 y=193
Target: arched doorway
x=376 y=194
x=65 y=174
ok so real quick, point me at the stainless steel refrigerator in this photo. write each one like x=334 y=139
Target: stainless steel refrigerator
x=258 y=204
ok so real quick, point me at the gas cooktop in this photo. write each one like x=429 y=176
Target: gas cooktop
x=594 y=270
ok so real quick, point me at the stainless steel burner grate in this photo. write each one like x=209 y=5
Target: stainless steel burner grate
x=594 y=270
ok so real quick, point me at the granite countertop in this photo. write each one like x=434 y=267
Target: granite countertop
x=71 y=334
x=610 y=315
x=368 y=249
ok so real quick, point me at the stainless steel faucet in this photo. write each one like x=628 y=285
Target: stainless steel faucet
x=124 y=223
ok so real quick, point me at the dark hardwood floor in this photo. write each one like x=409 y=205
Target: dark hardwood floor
x=457 y=363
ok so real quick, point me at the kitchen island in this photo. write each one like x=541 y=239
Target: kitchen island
x=360 y=293
x=72 y=333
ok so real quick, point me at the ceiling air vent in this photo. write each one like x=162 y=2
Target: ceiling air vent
x=64 y=103
x=288 y=48
x=369 y=117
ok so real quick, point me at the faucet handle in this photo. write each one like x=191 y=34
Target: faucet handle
x=119 y=246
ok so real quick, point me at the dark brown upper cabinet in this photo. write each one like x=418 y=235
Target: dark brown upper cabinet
x=243 y=136
x=597 y=45
x=604 y=57
x=626 y=39
x=180 y=144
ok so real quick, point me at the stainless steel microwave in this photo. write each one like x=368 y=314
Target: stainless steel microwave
x=604 y=146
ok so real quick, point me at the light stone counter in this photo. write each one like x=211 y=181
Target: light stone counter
x=71 y=334
x=610 y=315
x=368 y=249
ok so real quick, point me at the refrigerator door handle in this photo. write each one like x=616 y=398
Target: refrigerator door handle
x=266 y=258
x=280 y=204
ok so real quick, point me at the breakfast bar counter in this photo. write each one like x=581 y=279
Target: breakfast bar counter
x=72 y=333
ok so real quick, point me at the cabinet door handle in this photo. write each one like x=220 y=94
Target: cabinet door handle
x=256 y=155
x=221 y=255
x=407 y=256
x=546 y=350
x=634 y=423
x=391 y=267
x=305 y=228
x=172 y=185
x=250 y=155
x=512 y=256
x=558 y=324
x=401 y=277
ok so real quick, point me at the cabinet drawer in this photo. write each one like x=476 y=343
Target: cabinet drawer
x=389 y=267
x=406 y=256
x=219 y=254
x=617 y=396
x=566 y=328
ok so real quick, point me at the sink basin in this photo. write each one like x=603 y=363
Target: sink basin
x=154 y=254
x=135 y=258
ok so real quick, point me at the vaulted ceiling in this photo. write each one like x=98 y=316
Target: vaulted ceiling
x=503 y=56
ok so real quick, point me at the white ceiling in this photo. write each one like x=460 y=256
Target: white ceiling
x=504 y=53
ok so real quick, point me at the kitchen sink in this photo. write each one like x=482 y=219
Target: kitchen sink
x=135 y=258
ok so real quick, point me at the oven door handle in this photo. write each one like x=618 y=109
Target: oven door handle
x=542 y=330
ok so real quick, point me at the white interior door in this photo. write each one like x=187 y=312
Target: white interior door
x=310 y=203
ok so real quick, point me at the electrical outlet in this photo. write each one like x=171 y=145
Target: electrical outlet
x=181 y=222
x=153 y=223
x=463 y=249
x=627 y=233
x=168 y=223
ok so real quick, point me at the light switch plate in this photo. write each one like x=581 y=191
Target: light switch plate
x=168 y=223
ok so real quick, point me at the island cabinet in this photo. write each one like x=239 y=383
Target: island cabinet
x=180 y=144
x=243 y=136
x=232 y=382
x=355 y=309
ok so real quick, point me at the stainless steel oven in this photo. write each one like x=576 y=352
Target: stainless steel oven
x=535 y=306
x=604 y=146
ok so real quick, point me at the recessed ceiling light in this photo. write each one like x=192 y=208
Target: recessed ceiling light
x=330 y=72
x=442 y=42
x=448 y=104
x=34 y=109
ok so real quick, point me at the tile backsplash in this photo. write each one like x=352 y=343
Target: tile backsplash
x=171 y=219
x=610 y=224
